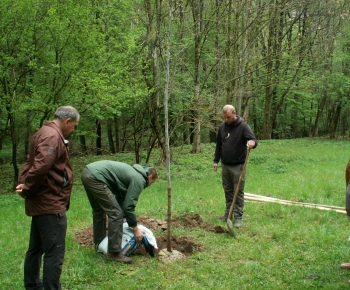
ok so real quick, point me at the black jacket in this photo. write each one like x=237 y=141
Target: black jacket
x=231 y=142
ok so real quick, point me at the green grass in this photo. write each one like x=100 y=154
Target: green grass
x=279 y=246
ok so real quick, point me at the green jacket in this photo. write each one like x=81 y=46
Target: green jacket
x=124 y=181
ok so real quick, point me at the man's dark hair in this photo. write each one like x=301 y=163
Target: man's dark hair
x=154 y=173
x=65 y=112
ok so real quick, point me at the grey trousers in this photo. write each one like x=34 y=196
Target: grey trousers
x=103 y=202
x=230 y=177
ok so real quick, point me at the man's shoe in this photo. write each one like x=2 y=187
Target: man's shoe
x=238 y=222
x=223 y=218
x=345 y=266
x=118 y=257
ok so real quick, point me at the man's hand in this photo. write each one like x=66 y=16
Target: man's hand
x=215 y=166
x=138 y=234
x=251 y=144
x=19 y=189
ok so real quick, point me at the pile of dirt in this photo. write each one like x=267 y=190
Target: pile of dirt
x=185 y=245
x=186 y=220
x=195 y=220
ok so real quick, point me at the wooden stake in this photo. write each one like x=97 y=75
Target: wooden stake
x=255 y=197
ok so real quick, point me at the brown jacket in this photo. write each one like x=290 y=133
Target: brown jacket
x=47 y=174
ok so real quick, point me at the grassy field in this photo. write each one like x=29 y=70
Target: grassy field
x=279 y=246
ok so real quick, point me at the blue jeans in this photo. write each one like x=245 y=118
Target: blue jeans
x=47 y=237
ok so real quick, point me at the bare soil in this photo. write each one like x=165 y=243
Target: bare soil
x=185 y=245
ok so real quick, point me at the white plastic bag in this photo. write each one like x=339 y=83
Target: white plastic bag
x=128 y=234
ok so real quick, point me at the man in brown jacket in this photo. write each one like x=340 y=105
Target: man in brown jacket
x=45 y=183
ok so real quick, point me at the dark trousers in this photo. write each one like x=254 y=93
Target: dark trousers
x=230 y=178
x=47 y=237
x=103 y=202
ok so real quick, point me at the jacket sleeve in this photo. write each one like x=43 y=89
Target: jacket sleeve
x=24 y=171
x=347 y=173
x=249 y=135
x=134 y=190
x=33 y=176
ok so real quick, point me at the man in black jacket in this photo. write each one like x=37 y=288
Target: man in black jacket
x=234 y=135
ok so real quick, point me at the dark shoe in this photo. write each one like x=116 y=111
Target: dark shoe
x=118 y=257
x=238 y=222
x=345 y=266
x=223 y=218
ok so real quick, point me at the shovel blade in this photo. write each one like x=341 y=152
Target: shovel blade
x=230 y=228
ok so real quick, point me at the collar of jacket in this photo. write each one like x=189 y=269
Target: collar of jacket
x=235 y=122
x=54 y=126
x=142 y=170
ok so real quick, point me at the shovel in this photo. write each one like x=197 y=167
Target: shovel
x=229 y=222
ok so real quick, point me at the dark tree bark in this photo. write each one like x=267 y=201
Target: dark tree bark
x=110 y=136
x=320 y=109
x=83 y=146
x=197 y=12
x=98 y=138
x=116 y=132
x=336 y=118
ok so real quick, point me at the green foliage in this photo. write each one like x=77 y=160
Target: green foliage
x=278 y=247
x=288 y=64
x=6 y=175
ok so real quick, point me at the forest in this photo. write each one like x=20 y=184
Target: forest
x=283 y=64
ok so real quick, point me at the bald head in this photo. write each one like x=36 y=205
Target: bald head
x=227 y=108
x=229 y=113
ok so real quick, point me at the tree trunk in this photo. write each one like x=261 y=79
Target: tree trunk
x=14 y=150
x=116 y=132
x=249 y=53
x=335 y=120
x=98 y=138
x=216 y=111
x=27 y=136
x=110 y=136
x=197 y=8
x=154 y=46
x=167 y=144
x=186 y=133
x=266 y=132
x=229 y=69
x=83 y=146
x=319 y=114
